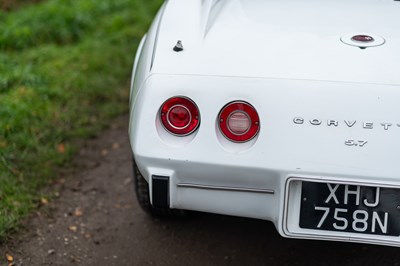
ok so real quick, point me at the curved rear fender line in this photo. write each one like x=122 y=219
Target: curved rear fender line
x=210 y=12
x=135 y=64
x=144 y=58
x=199 y=17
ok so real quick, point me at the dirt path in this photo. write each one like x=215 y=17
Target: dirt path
x=96 y=221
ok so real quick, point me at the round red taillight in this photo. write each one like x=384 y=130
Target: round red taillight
x=239 y=121
x=180 y=116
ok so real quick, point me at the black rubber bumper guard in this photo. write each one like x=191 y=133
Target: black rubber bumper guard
x=160 y=191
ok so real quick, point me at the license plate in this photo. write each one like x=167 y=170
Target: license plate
x=350 y=208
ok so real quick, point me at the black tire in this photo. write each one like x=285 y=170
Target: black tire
x=143 y=197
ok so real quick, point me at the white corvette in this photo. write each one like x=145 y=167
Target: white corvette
x=282 y=110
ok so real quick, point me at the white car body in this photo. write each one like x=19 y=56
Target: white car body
x=328 y=106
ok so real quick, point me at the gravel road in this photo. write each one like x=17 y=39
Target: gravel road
x=95 y=220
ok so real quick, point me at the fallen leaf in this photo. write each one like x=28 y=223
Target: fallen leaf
x=9 y=258
x=78 y=212
x=73 y=228
x=127 y=181
x=44 y=201
x=51 y=251
x=61 y=148
x=116 y=146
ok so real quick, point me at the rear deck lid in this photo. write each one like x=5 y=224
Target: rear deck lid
x=288 y=39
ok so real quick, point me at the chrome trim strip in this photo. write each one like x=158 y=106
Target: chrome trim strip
x=236 y=189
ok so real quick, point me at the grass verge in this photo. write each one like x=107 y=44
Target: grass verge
x=64 y=70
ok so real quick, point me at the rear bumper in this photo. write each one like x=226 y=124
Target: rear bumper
x=272 y=195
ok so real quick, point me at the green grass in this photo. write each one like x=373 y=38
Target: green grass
x=64 y=70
